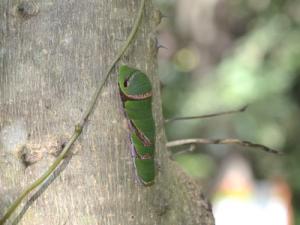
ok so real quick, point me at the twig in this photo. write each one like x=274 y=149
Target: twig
x=243 y=109
x=80 y=125
x=221 y=141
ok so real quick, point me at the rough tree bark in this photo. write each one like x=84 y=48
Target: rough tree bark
x=53 y=54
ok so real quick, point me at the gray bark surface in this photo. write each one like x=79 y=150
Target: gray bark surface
x=53 y=54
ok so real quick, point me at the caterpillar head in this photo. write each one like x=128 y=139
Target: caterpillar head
x=133 y=83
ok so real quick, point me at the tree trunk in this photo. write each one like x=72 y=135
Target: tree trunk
x=53 y=54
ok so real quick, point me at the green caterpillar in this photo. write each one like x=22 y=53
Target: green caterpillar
x=136 y=95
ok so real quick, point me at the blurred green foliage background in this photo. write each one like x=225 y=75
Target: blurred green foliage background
x=221 y=55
